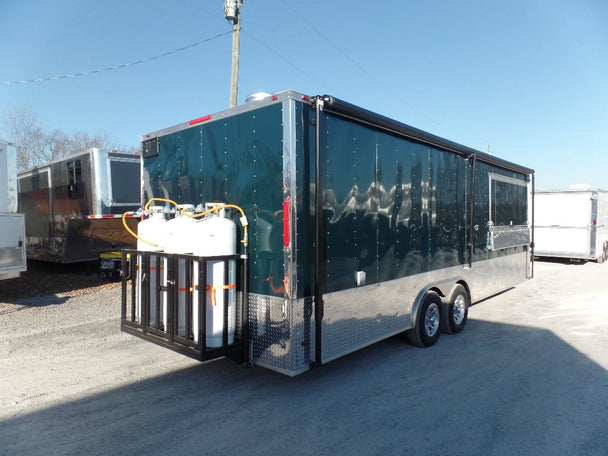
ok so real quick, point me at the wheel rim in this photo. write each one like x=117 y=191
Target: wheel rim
x=431 y=320
x=459 y=309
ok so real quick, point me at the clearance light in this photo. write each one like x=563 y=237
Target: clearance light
x=274 y=98
x=305 y=97
x=199 y=120
x=286 y=236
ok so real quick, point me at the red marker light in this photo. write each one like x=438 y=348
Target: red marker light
x=274 y=98
x=199 y=120
x=286 y=236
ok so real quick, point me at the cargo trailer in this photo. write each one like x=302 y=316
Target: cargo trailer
x=572 y=224
x=12 y=226
x=74 y=205
x=350 y=228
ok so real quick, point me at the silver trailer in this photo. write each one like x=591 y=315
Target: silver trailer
x=74 y=205
x=360 y=227
x=12 y=225
x=572 y=224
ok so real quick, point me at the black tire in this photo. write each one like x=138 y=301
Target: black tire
x=428 y=322
x=456 y=310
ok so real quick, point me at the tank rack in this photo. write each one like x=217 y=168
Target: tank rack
x=162 y=298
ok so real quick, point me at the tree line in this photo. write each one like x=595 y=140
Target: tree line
x=36 y=146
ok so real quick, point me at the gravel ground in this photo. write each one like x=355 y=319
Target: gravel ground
x=44 y=279
x=529 y=375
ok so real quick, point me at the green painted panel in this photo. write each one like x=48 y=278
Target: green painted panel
x=237 y=160
x=349 y=203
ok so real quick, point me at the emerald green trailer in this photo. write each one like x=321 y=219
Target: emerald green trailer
x=358 y=227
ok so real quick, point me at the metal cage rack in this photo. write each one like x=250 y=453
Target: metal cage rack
x=163 y=302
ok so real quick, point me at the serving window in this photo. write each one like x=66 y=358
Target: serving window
x=508 y=217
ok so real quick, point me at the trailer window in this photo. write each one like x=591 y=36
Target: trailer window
x=508 y=202
x=74 y=179
x=508 y=218
x=124 y=179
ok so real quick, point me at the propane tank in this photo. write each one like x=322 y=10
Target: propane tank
x=152 y=231
x=178 y=233
x=177 y=230
x=216 y=236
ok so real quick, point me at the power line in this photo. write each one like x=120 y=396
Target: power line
x=282 y=57
x=116 y=67
x=332 y=43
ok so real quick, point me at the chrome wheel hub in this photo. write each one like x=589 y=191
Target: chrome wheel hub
x=431 y=320
x=459 y=309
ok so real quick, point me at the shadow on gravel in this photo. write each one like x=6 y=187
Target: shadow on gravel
x=493 y=389
x=48 y=279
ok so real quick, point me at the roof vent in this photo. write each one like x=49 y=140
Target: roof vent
x=258 y=96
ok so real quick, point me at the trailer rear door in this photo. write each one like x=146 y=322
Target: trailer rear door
x=563 y=224
x=12 y=244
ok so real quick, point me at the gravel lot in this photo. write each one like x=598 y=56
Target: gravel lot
x=529 y=375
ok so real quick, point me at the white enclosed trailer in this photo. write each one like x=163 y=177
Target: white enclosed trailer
x=12 y=225
x=572 y=224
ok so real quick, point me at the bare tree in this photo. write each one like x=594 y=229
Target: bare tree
x=57 y=144
x=21 y=127
x=35 y=146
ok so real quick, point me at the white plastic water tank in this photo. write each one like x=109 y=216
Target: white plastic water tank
x=215 y=236
x=179 y=230
x=151 y=231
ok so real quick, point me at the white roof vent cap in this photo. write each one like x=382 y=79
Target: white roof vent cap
x=257 y=96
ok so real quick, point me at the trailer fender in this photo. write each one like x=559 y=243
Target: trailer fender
x=427 y=324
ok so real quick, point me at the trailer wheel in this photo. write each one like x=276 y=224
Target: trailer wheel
x=428 y=322
x=456 y=311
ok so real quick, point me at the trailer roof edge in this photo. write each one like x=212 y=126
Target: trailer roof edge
x=74 y=155
x=347 y=110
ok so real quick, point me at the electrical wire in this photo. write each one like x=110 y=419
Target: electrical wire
x=116 y=67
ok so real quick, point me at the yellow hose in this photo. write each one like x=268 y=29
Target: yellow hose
x=132 y=233
x=243 y=218
x=159 y=199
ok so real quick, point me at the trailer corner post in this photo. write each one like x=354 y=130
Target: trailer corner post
x=319 y=256
x=533 y=190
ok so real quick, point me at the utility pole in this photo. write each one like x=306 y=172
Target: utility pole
x=232 y=11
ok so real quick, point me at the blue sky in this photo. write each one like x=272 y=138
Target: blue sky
x=526 y=78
